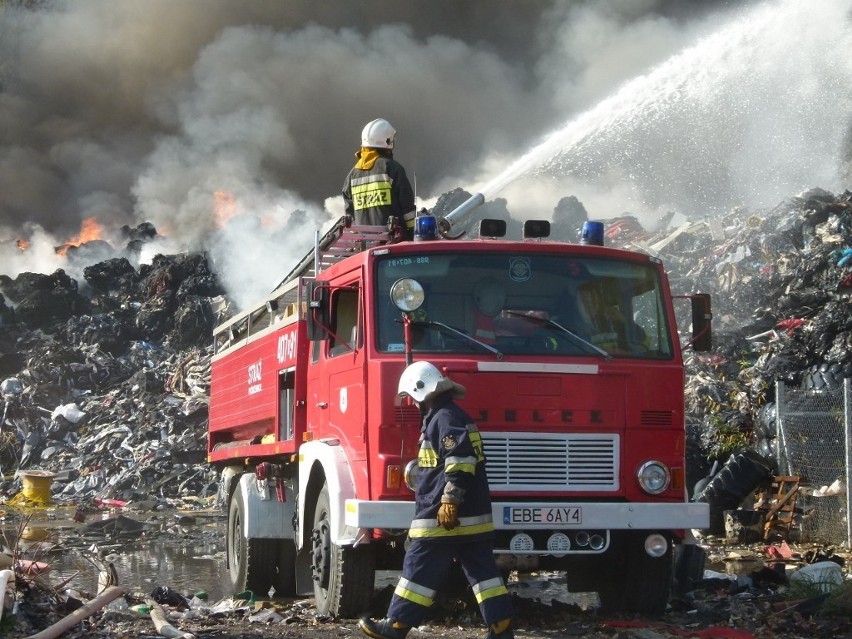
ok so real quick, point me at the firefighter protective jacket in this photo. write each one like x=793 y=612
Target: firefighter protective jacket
x=378 y=188
x=451 y=460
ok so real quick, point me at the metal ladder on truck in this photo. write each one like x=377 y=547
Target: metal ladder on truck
x=342 y=240
x=287 y=300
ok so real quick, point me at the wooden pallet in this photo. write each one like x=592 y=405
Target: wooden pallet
x=780 y=499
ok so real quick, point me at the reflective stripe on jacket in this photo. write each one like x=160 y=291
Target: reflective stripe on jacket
x=373 y=195
x=451 y=452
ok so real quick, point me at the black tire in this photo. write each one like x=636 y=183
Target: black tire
x=285 y=578
x=820 y=377
x=343 y=575
x=635 y=582
x=251 y=562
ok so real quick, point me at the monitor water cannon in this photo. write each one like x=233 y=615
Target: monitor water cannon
x=459 y=213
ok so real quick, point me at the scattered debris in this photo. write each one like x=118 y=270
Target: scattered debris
x=105 y=382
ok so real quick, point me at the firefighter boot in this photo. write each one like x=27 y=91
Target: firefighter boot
x=501 y=630
x=384 y=629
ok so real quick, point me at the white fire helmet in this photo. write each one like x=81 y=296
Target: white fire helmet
x=378 y=134
x=422 y=380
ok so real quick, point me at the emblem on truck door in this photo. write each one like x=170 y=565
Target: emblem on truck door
x=344 y=399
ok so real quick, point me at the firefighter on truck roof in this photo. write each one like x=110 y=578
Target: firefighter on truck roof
x=377 y=187
x=452 y=520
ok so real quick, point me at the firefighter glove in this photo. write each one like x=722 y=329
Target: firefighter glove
x=448 y=514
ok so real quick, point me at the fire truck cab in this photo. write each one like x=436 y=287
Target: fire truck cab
x=572 y=361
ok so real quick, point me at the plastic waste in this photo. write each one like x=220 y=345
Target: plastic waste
x=266 y=616
x=712 y=574
x=845 y=257
x=168 y=596
x=71 y=412
x=5 y=577
x=827 y=576
x=120 y=604
x=837 y=487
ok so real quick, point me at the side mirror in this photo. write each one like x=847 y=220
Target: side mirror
x=317 y=316
x=702 y=336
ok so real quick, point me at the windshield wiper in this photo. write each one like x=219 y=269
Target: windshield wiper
x=456 y=332
x=552 y=324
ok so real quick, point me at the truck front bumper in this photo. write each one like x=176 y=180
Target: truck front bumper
x=397 y=515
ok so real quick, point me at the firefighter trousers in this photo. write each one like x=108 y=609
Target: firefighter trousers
x=426 y=567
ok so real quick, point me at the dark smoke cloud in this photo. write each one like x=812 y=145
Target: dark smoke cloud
x=143 y=111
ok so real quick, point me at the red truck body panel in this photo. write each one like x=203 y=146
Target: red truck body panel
x=351 y=397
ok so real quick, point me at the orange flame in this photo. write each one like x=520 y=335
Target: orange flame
x=89 y=230
x=225 y=207
x=23 y=245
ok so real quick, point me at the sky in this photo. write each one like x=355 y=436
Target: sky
x=230 y=126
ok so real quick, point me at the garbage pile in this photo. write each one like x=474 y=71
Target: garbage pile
x=781 y=282
x=105 y=382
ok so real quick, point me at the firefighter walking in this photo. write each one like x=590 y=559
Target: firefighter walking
x=452 y=514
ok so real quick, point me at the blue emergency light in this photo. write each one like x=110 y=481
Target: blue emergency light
x=593 y=233
x=425 y=228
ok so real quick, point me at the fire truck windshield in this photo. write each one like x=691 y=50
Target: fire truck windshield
x=526 y=304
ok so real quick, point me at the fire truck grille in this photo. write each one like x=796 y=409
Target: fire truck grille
x=551 y=462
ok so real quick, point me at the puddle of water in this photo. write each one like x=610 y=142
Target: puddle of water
x=190 y=558
x=148 y=564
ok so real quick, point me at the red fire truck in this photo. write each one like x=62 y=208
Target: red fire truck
x=571 y=357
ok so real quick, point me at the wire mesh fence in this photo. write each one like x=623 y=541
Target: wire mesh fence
x=814 y=433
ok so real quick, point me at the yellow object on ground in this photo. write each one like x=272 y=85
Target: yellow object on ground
x=36 y=487
x=34 y=533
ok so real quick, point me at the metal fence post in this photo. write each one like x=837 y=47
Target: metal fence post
x=847 y=419
x=781 y=452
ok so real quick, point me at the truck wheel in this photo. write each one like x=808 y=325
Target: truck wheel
x=250 y=561
x=343 y=575
x=635 y=582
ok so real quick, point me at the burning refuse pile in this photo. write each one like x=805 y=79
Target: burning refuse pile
x=113 y=371
x=107 y=379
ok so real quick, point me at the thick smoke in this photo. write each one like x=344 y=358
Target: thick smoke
x=231 y=125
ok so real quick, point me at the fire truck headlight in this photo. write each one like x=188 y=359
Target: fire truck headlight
x=654 y=477
x=412 y=470
x=407 y=294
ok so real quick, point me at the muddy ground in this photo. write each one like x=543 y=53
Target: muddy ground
x=739 y=597
x=718 y=617
x=173 y=554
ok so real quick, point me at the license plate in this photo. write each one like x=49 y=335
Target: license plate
x=550 y=516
